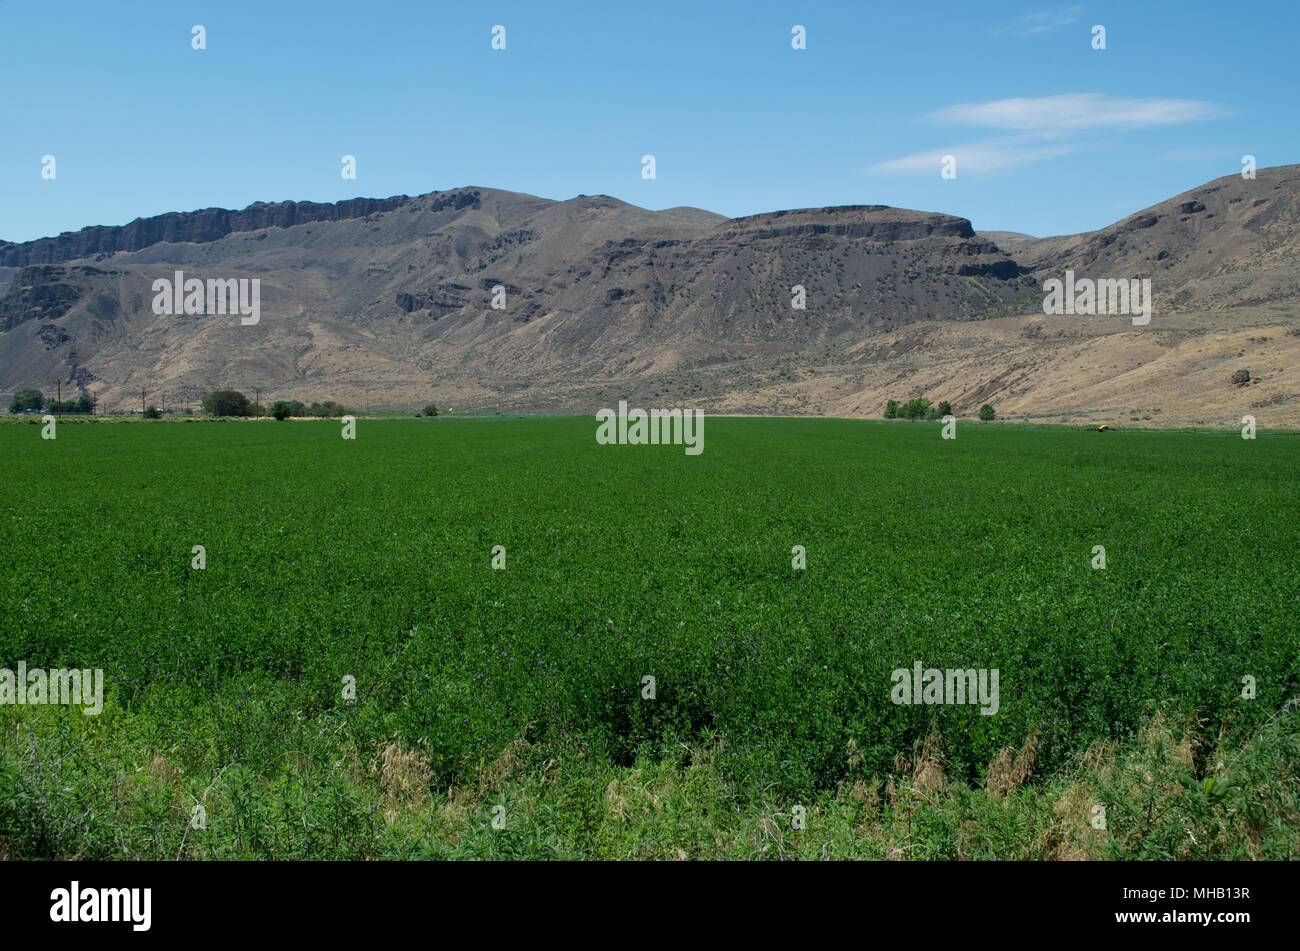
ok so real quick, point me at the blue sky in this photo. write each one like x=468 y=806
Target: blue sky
x=1051 y=136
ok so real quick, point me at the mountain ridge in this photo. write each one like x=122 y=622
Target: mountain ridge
x=198 y=226
x=389 y=302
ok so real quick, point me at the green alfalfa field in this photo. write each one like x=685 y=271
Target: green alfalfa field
x=504 y=712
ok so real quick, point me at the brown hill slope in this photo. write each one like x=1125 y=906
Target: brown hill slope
x=1230 y=243
x=380 y=305
x=390 y=304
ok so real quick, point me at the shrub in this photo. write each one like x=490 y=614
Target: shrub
x=987 y=414
x=227 y=403
x=891 y=409
x=945 y=409
x=152 y=412
x=431 y=410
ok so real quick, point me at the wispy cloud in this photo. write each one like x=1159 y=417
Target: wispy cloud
x=977 y=157
x=1041 y=128
x=1035 y=24
x=1072 y=113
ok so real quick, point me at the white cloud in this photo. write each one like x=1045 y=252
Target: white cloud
x=1072 y=113
x=1042 y=127
x=977 y=157
x=1035 y=24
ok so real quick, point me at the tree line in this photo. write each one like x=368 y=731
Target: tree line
x=235 y=403
x=216 y=403
x=922 y=408
x=32 y=400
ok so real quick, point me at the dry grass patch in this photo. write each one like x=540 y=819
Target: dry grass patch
x=405 y=780
x=1011 y=768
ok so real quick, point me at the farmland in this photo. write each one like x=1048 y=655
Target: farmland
x=503 y=712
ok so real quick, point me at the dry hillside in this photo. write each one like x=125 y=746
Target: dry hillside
x=387 y=303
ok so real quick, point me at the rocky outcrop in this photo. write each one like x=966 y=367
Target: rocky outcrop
x=438 y=300
x=40 y=293
x=209 y=224
x=453 y=200
x=1004 y=270
x=872 y=222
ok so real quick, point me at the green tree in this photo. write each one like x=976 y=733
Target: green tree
x=987 y=414
x=152 y=412
x=891 y=409
x=282 y=410
x=82 y=404
x=431 y=410
x=227 y=403
x=917 y=408
x=27 y=400
x=328 y=408
x=945 y=409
